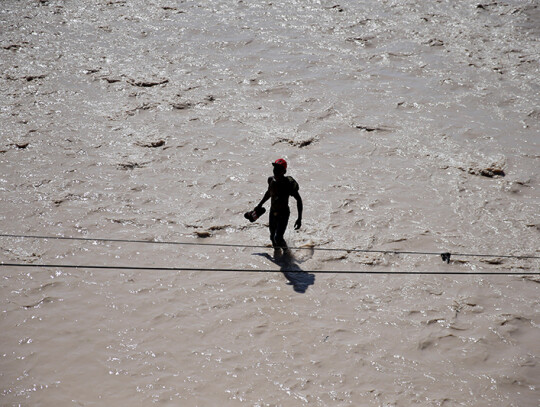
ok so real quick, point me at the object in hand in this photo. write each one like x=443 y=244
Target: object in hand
x=255 y=214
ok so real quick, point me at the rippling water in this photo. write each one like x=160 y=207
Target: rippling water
x=410 y=126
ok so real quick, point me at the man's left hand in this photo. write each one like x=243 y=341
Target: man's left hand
x=298 y=224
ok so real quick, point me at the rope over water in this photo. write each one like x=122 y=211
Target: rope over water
x=445 y=256
x=80 y=266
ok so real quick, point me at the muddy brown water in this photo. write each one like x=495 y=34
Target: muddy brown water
x=410 y=126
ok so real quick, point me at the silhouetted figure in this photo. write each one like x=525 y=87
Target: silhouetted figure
x=280 y=188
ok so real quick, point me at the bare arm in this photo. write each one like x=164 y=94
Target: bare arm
x=300 y=208
x=266 y=197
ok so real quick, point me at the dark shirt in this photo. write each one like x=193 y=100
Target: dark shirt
x=280 y=191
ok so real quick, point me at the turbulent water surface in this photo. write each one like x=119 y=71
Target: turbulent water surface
x=409 y=125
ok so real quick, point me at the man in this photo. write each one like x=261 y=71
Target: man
x=280 y=188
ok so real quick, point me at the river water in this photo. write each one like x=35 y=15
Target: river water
x=409 y=126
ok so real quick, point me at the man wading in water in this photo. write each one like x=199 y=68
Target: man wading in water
x=280 y=188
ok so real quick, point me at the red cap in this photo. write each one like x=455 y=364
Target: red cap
x=281 y=162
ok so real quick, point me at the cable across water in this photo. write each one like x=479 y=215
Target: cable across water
x=445 y=255
x=282 y=270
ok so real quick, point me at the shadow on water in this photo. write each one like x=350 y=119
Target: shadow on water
x=298 y=278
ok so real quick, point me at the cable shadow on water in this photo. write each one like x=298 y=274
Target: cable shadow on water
x=298 y=278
